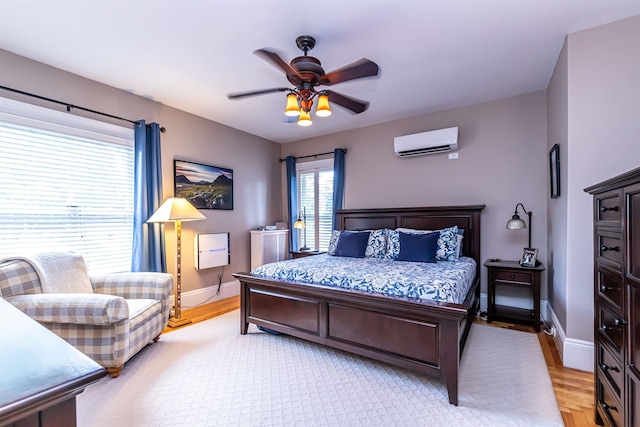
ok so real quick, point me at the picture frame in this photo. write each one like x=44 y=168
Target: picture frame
x=554 y=170
x=204 y=186
x=529 y=257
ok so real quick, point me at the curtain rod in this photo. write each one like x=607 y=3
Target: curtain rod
x=71 y=106
x=344 y=150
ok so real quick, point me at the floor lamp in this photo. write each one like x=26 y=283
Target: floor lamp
x=177 y=209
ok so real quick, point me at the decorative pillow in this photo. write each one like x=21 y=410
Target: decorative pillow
x=447 y=244
x=377 y=244
x=333 y=241
x=352 y=244
x=393 y=244
x=418 y=247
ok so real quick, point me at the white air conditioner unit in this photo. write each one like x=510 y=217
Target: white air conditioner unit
x=418 y=144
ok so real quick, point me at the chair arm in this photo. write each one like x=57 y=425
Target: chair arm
x=134 y=285
x=81 y=309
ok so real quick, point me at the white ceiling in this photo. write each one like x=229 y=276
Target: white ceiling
x=433 y=55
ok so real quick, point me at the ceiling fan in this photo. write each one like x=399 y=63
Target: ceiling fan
x=305 y=73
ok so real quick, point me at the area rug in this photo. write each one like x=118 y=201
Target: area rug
x=208 y=374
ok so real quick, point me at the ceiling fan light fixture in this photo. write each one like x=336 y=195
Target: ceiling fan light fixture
x=292 y=108
x=323 y=109
x=305 y=118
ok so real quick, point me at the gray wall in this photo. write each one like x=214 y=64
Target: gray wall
x=253 y=160
x=502 y=161
x=557 y=133
x=596 y=90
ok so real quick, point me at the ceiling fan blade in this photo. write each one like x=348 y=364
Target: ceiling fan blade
x=272 y=57
x=353 y=104
x=357 y=70
x=239 y=95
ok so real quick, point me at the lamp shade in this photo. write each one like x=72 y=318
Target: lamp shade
x=323 y=109
x=305 y=118
x=516 y=223
x=299 y=224
x=176 y=209
x=292 y=108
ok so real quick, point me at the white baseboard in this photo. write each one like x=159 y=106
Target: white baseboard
x=208 y=295
x=576 y=354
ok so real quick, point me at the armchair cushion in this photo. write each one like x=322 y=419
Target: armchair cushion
x=88 y=309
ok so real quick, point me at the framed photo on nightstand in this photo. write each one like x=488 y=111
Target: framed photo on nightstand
x=529 y=257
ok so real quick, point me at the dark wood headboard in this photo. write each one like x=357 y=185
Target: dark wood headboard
x=426 y=218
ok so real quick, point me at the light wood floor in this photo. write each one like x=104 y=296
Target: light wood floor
x=573 y=388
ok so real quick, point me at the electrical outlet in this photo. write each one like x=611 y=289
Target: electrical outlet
x=453 y=156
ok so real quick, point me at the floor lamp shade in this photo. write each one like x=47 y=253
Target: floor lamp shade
x=177 y=209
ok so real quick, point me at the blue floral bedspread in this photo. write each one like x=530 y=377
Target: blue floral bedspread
x=447 y=281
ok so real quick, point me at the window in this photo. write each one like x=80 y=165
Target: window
x=315 y=184
x=66 y=182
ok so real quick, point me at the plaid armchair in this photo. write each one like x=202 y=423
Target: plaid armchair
x=125 y=312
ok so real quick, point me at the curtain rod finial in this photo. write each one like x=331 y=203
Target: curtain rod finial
x=163 y=130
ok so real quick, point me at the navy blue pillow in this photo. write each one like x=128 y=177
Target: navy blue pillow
x=418 y=247
x=352 y=244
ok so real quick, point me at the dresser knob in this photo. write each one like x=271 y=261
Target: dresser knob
x=619 y=322
x=606 y=209
x=616 y=322
x=604 y=248
x=604 y=288
x=606 y=368
x=513 y=277
x=609 y=407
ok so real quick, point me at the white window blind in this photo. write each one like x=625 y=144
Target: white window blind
x=315 y=183
x=66 y=182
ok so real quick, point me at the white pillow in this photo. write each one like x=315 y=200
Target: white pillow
x=414 y=231
x=61 y=272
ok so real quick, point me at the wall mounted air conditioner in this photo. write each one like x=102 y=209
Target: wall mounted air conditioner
x=418 y=144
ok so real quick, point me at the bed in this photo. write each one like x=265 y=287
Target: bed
x=422 y=335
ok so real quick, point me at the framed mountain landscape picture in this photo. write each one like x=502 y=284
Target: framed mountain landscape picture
x=206 y=187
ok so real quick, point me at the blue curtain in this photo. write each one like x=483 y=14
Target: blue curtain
x=292 y=201
x=338 y=182
x=148 y=239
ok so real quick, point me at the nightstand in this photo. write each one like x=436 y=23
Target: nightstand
x=512 y=274
x=302 y=254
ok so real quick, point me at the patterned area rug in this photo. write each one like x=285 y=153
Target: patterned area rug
x=209 y=375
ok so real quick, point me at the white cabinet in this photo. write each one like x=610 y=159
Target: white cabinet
x=268 y=246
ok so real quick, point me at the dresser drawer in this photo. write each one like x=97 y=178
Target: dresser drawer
x=610 y=369
x=609 y=249
x=514 y=276
x=609 y=287
x=608 y=209
x=608 y=404
x=611 y=326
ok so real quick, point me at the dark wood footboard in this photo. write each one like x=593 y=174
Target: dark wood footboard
x=423 y=336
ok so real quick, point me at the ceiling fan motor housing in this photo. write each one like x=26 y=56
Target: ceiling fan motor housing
x=308 y=67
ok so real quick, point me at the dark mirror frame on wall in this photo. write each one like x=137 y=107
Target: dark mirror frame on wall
x=554 y=169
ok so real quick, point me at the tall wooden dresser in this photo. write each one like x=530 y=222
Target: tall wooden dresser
x=616 y=208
